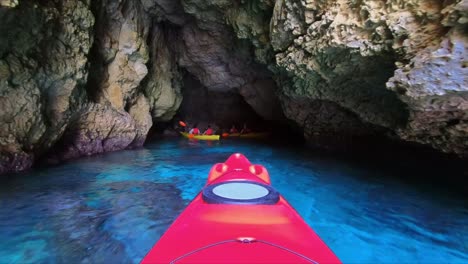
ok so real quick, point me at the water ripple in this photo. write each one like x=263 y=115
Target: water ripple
x=112 y=208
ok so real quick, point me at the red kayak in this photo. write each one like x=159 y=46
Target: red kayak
x=238 y=217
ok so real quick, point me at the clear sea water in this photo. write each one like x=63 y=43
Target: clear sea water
x=112 y=208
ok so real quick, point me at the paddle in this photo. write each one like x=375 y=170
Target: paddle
x=183 y=124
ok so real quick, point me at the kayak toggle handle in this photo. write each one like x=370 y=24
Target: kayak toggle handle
x=246 y=240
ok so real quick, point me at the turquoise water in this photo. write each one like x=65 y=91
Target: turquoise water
x=112 y=208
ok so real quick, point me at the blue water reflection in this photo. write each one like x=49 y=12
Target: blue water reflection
x=112 y=208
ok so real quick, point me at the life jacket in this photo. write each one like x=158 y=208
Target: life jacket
x=195 y=131
x=209 y=131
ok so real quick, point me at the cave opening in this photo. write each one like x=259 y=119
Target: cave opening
x=216 y=81
x=223 y=109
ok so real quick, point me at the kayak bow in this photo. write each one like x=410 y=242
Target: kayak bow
x=238 y=217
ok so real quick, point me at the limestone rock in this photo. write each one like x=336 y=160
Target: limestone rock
x=211 y=51
x=250 y=21
x=326 y=124
x=209 y=57
x=164 y=83
x=140 y=113
x=261 y=96
x=122 y=52
x=166 y=10
x=9 y=3
x=97 y=129
x=435 y=86
x=288 y=21
x=43 y=51
x=399 y=65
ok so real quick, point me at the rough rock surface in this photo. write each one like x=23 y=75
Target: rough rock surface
x=121 y=52
x=218 y=60
x=328 y=125
x=261 y=96
x=165 y=10
x=8 y=3
x=96 y=129
x=71 y=86
x=164 y=82
x=43 y=55
x=139 y=111
x=433 y=82
x=395 y=64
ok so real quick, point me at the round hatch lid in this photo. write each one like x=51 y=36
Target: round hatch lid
x=240 y=192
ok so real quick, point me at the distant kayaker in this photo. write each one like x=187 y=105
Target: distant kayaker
x=233 y=130
x=245 y=129
x=208 y=131
x=195 y=130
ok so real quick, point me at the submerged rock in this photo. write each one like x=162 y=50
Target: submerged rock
x=96 y=221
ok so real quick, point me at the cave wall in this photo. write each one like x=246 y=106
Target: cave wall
x=43 y=71
x=219 y=109
x=85 y=77
x=398 y=66
x=76 y=78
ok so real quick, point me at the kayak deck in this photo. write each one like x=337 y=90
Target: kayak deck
x=208 y=232
x=202 y=225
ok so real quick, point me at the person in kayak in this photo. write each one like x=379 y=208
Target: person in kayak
x=245 y=129
x=233 y=130
x=195 y=130
x=208 y=131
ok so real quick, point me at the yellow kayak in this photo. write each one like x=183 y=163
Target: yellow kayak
x=255 y=135
x=200 y=137
x=248 y=135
